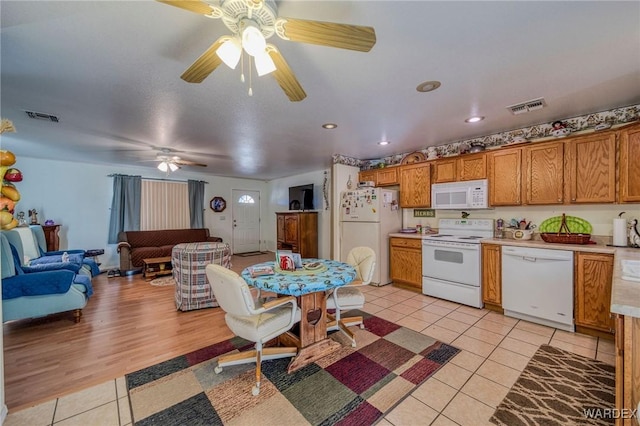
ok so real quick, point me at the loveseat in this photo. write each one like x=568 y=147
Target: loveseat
x=31 y=291
x=134 y=246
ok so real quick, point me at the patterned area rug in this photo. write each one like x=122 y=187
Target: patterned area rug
x=559 y=388
x=162 y=281
x=352 y=386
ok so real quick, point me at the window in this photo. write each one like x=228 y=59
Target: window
x=164 y=205
x=246 y=199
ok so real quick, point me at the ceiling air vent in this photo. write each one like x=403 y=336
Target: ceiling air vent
x=42 y=116
x=532 y=105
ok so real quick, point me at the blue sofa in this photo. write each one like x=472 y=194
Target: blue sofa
x=36 y=290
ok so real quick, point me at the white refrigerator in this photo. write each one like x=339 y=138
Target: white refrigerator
x=367 y=217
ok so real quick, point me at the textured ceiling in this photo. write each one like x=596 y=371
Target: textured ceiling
x=110 y=70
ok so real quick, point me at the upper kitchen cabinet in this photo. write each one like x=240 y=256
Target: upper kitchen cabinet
x=463 y=167
x=472 y=166
x=415 y=185
x=543 y=172
x=505 y=177
x=629 y=165
x=368 y=175
x=380 y=177
x=591 y=169
x=444 y=170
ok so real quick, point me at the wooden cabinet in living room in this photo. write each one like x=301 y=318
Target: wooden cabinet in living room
x=543 y=172
x=415 y=185
x=405 y=256
x=492 y=276
x=629 y=168
x=298 y=232
x=593 y=277
x=591 y=169
x=505 y=177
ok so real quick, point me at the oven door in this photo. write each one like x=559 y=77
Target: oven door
x=450 y=261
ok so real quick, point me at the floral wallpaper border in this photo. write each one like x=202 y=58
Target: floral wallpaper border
x=612 y=117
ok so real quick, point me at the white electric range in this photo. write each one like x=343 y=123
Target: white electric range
x=451 y=265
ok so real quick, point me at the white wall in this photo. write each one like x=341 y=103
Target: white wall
x=78 y=196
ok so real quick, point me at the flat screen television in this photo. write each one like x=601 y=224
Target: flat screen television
x=301 y=197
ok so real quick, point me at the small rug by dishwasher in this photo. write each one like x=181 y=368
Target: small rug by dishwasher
x=163 y=281
x=559 y=388
x=350 y=386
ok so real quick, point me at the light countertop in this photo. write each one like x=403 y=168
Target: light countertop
x=625 y=294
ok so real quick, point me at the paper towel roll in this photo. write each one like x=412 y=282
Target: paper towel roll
x=620 y=232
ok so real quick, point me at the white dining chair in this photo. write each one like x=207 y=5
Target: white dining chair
x=251 y=320
x=347 y=297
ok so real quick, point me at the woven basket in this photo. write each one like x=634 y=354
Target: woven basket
x=564 y=236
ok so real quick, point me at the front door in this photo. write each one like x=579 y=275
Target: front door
x=246 y=221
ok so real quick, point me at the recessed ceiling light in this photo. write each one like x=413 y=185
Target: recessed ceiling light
x=428 y=86
x=474 y=119
x=329 y=125
x=384 y=143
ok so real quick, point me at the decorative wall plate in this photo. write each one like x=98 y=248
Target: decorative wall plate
x=218 y=204
x=414 y=157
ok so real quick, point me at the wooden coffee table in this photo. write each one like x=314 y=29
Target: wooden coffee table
x=156 y=266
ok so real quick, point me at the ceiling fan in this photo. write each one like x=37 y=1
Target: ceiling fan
x=170 y=162
x=254 y=21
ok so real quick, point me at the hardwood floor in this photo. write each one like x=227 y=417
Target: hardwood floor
x=127 y=325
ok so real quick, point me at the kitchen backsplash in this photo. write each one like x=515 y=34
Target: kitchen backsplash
x=600 y=216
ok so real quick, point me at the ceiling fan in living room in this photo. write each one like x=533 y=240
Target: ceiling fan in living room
x=251 y=23
x=168 y=162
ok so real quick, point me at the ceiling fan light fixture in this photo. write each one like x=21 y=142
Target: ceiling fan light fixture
x=230 y=52
x=163 y=167
x=253 y=41
x=173 y=167
x=264 y=64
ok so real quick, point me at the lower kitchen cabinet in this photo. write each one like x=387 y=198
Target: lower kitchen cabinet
x=627 y=368
x=492 y=277
x=593 y=275
x=406 y=262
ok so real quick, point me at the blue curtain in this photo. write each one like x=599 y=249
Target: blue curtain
x=125 y=206
x=196 y=203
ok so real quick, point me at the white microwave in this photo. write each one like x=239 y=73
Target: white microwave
x=471 y=194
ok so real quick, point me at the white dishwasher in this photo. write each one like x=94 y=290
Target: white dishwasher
x=537 y=285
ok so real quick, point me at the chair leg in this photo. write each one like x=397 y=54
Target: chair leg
x=77 y=314
x=256 y=389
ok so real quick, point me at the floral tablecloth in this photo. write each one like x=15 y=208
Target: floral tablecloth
x=337 y=274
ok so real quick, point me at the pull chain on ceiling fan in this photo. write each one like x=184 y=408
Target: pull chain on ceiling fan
x=252 y=22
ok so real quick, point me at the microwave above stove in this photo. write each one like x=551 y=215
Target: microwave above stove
x=472 y=194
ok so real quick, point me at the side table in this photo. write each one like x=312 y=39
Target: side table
x=51 y=236
x=156 y=266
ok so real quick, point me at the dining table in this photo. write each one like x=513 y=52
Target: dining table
x=311 y=287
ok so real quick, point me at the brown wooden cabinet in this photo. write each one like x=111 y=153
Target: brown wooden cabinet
x=472 y=166
x=492 y=276
x=386 y=176
x=505 y=177
x=415 y=185
x=591 y=169
x=627 y=367
x=543 y=172
x=593 y=274
x=630 y=165
x=405 y=256
x=298 y=232
x=51 y=237
x=444 y=170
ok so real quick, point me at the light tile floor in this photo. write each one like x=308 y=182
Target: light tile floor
x=466 y=391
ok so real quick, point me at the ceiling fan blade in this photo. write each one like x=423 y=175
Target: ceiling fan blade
x=198 y=7
x=205 y=64
x=285 y=77
x=188 y=163
x=344 y=36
